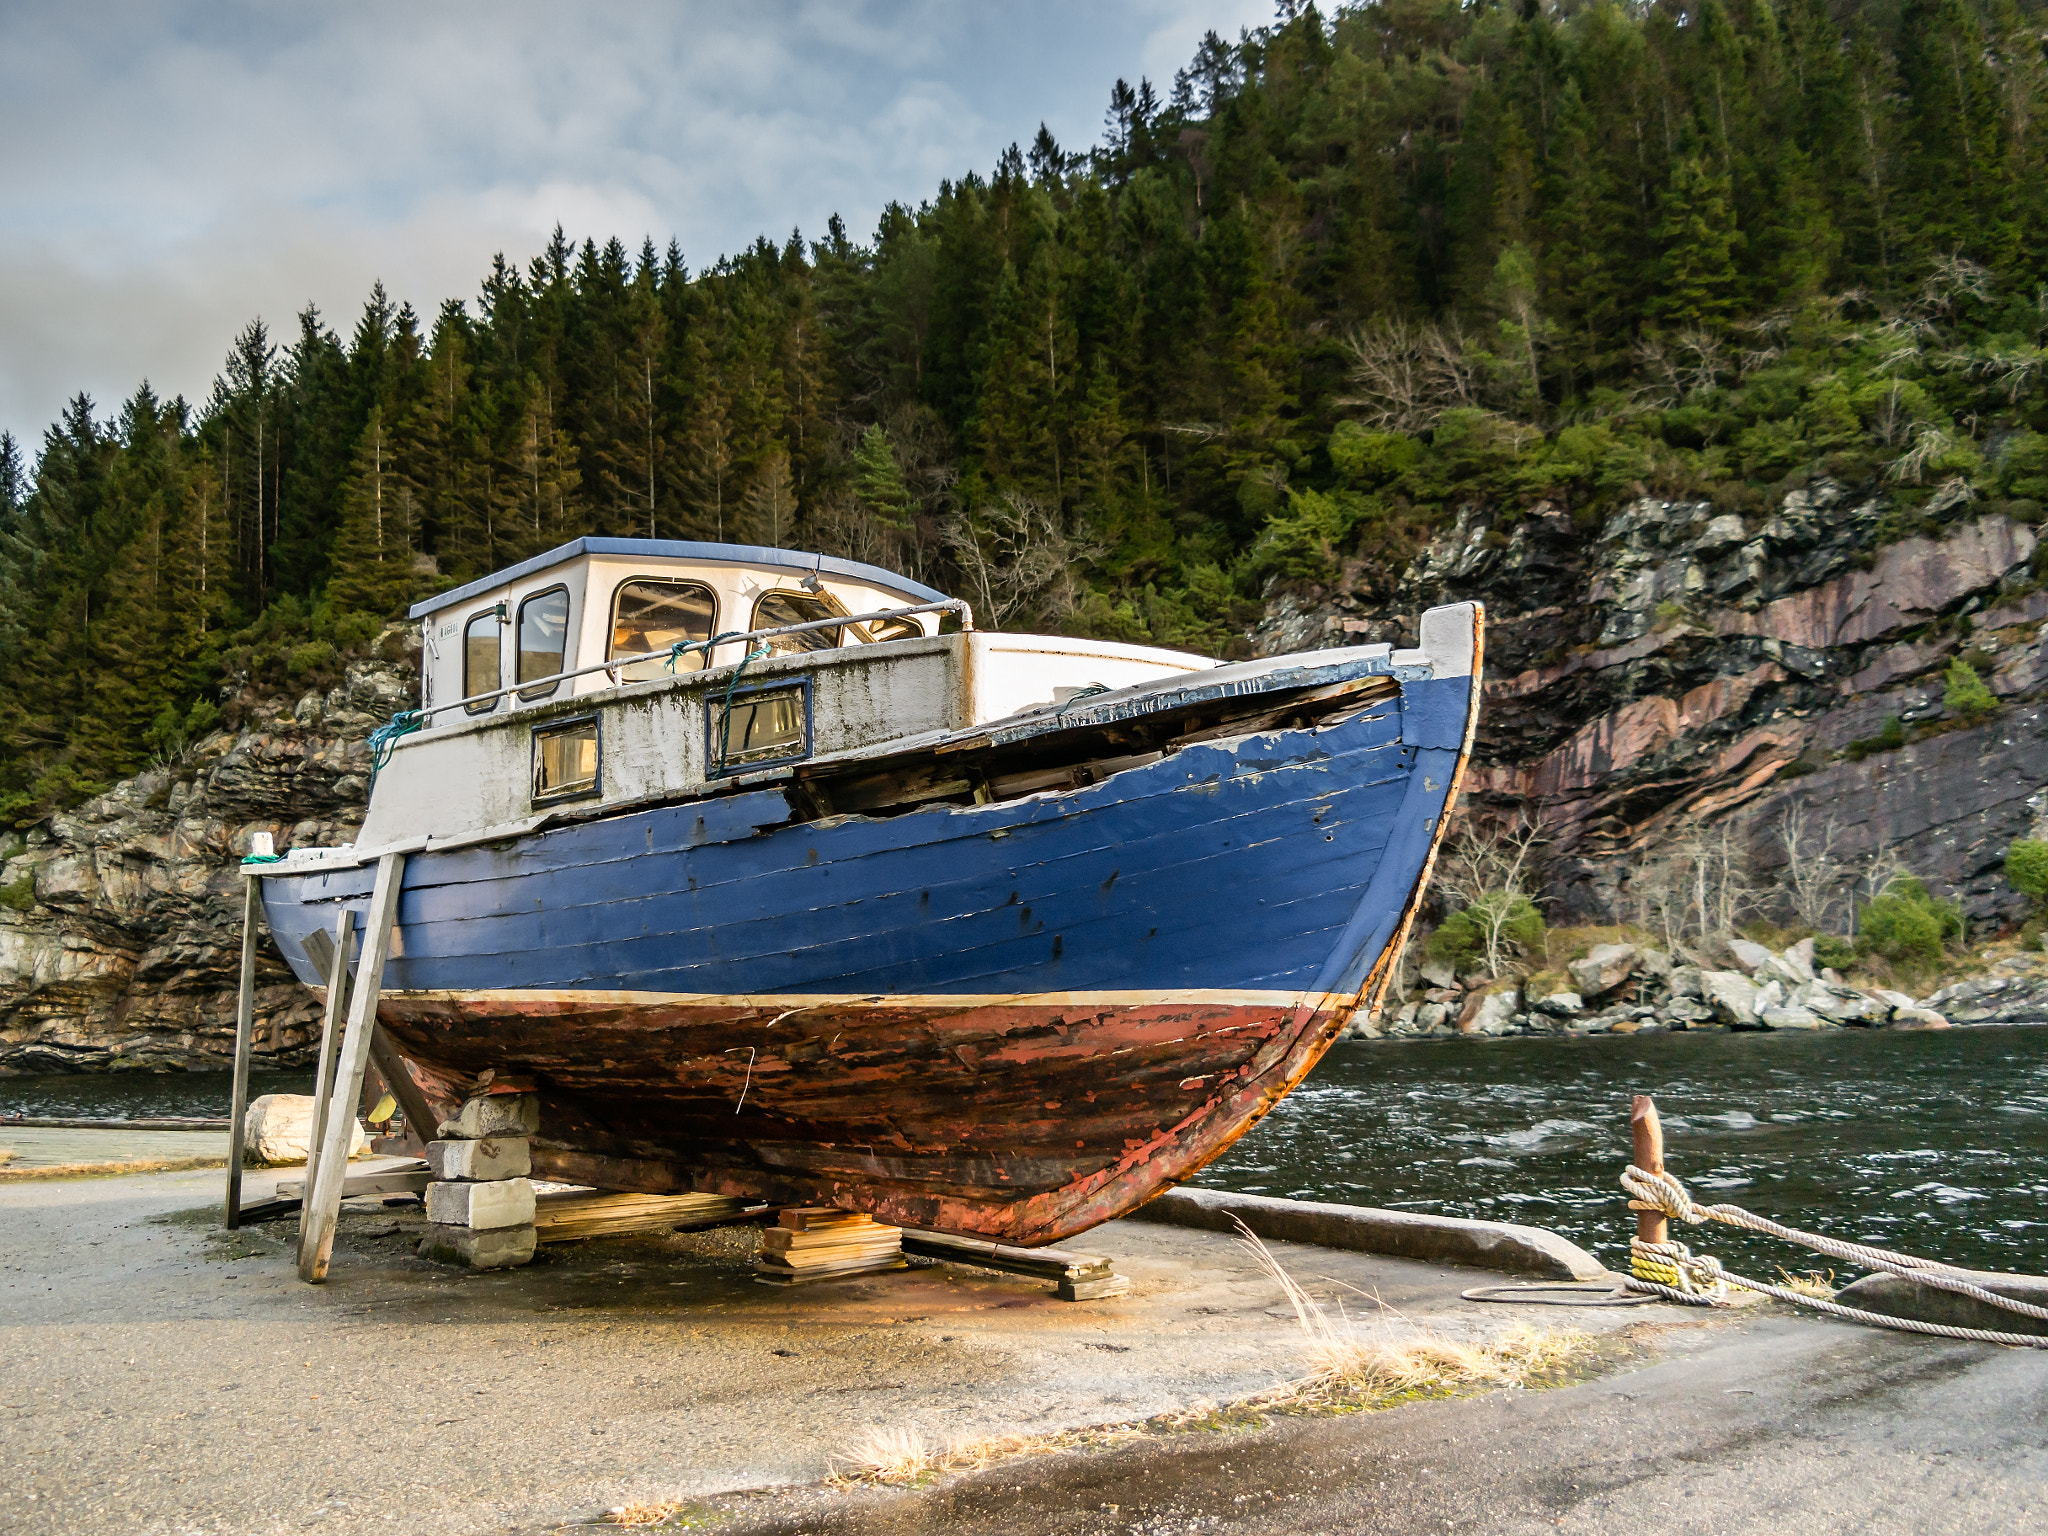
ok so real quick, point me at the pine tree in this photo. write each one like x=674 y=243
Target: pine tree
x=373 y=558
x=1697 y=278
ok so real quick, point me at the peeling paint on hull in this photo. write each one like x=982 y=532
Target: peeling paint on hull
x=1016 y=1019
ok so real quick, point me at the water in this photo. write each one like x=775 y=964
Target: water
x=1935 y=1143
x=138 y=1095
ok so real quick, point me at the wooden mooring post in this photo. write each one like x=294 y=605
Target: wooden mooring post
x=1647 y=1132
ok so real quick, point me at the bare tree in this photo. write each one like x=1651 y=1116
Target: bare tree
x=1882 y=868
x=1019 y=557
x=1813 y=870
x=1488 y=866
x=1406 y=376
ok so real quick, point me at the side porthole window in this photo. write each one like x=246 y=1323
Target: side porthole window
x=480 y=663
x=759 y=726
x=649 y=616
x=543 y=639
x=567 y=764
x=778 y=608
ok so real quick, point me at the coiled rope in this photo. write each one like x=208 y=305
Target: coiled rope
x=1675 y=1272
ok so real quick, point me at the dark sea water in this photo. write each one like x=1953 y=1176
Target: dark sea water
x=138 y=1095
x=1936 y=1143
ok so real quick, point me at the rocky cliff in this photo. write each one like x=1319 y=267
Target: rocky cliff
x=1680 y=667
x=120 y=921
x=1675 y=667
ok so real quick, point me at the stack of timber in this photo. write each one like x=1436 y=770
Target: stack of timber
x=1078 y=1276
x=822 y=1243
x=480 y=1205
x=568 y=1215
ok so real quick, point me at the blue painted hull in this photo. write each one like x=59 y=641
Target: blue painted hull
x=1016 y=1019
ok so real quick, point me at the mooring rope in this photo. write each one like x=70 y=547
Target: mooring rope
x=384 y=740
x=1674 y=1271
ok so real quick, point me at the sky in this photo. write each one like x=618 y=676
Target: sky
x=174 y=170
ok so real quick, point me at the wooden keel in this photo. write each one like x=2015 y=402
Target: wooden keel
x=316 y=1243
x=245 y=1039
x=330 y=1038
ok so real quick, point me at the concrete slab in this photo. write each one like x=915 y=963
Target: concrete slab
x=156 y=1373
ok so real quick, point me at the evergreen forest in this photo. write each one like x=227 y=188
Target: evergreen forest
x=1336 y=279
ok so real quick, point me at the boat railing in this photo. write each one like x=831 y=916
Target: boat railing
x=416 y=719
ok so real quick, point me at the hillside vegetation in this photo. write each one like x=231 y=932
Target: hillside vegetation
x=1336 y=280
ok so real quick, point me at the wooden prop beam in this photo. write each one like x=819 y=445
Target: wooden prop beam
x=323 y=1211
x=420 y=1119
x=245 y=1040
x=330 y=1040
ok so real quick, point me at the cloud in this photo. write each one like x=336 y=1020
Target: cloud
x=176 y=170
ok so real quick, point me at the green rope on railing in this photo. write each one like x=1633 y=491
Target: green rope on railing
x=754 y=653
x=384 y=740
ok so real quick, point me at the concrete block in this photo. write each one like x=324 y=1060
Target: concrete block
x=1361 y=1229
x=494 y=1114
x=1896 y=1296
x=500 y=1157
x=505 y=1203
x=498 y=1248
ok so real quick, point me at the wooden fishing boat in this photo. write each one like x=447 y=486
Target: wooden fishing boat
x=779 y=879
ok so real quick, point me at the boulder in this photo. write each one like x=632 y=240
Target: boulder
x=1440 y=973
x=1770 y=995
x=1840 y=1005
x=1488 y=1013
x=1918 y=1018
x=1895 y=999
x=1760 y=963
x=1789 y=1016
x=1562 y=1005
x=278 y=1126
x=1688 y=1013
x=1654 y=962
x=1799 y=960
x=1684 y=981
x=1431 y=1016
x=1731 y=997
x=1605 y=967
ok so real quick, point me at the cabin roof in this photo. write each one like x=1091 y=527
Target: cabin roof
x=679 y=549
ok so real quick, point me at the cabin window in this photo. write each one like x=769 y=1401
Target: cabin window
x=760 y=725
x=778 y=608
x=566 y=760
x=894 y=629
x=480 y=662
x=543 y=639
x=649 y=615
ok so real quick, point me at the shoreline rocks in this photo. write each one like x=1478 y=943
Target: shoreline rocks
x=1624 y=989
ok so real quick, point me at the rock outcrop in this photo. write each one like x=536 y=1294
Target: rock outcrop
x=1646 y=989
x=1682 y=665
x=120 y=933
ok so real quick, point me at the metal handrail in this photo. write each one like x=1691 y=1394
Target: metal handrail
x=618 y=664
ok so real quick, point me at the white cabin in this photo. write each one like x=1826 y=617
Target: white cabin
x=509 y=735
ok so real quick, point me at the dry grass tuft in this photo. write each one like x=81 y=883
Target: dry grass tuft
x=902 y=1455
x=1395 y=1358
x=642 y=1514
x=1812 y=1283
x=7 y=1155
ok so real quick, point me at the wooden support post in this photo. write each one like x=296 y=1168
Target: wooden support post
x=1648 y=1133
x=330 y=1040
x=245 y=1040
x=323 y=1209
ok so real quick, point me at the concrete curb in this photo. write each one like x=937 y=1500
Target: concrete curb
x=1434 y=1239
x=1896 y=1296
